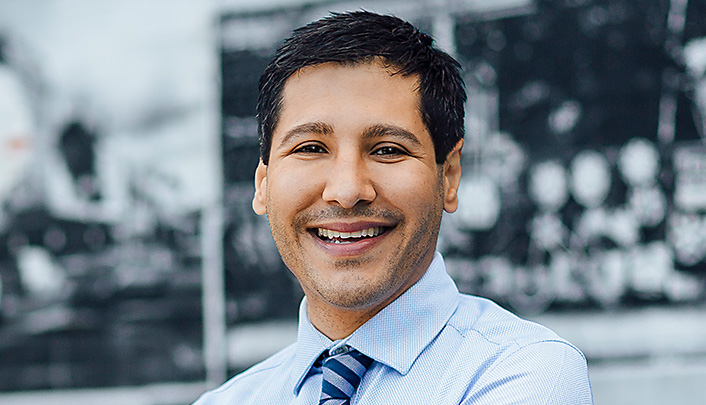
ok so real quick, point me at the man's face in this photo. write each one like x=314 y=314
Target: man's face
x=352 y=191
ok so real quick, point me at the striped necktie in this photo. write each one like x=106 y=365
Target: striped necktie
x=343 y=370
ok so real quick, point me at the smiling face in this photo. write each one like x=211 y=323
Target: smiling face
x=352 y=191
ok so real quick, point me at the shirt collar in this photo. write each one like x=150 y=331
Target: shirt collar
x=397 y=334
x=310 y=344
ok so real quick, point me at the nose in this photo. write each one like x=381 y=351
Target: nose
x=349 y=182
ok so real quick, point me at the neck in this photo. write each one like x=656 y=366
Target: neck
x=338 y=323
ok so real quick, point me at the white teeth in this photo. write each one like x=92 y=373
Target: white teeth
x=331 y=234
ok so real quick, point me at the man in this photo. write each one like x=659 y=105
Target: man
x=361 y=126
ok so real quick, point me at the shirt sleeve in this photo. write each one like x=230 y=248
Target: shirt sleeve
x=546 y=373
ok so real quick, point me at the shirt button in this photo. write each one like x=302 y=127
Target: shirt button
x=340 y=350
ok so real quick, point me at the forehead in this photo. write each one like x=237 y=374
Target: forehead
x=376 y=71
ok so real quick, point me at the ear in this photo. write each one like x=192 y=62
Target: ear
x=259 y=199
x=452 y=177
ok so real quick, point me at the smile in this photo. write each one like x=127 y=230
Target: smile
x=338 y=237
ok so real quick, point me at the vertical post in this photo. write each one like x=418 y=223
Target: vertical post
x=444 y=26
x=213 y=299
x=666 y=125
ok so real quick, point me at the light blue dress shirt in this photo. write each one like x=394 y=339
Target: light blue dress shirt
x=432 y=345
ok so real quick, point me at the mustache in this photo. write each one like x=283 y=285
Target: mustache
x=357 y=212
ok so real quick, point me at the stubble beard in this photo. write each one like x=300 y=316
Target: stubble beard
x=358 y=293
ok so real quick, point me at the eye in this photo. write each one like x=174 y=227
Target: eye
x=310 y=148
x=389 y=150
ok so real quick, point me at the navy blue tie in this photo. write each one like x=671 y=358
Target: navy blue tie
x=343 y=371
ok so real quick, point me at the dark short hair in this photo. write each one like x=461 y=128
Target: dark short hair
x=360 y=37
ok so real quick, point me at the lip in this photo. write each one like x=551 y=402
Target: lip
x=352 y=248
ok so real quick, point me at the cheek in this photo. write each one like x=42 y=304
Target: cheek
x=288 y=190
x=409 y=187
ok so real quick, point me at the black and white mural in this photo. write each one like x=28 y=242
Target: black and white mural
x=588 y=189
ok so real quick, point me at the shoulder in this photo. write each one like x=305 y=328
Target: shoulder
x=262 y=374
x=486 y=319
x=518 y=353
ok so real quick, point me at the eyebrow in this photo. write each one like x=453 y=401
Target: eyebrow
x=371 y=132
x=308 y=128
x=384 y=130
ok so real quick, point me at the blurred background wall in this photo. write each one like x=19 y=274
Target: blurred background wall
x=109 y=172
x=133 y=266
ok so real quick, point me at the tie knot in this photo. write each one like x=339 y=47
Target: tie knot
x=342 y=370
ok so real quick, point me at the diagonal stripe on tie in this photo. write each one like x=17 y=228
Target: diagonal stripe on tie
x=342 y=374
x=345 y=374
x=353 y=363
x=331 y=391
